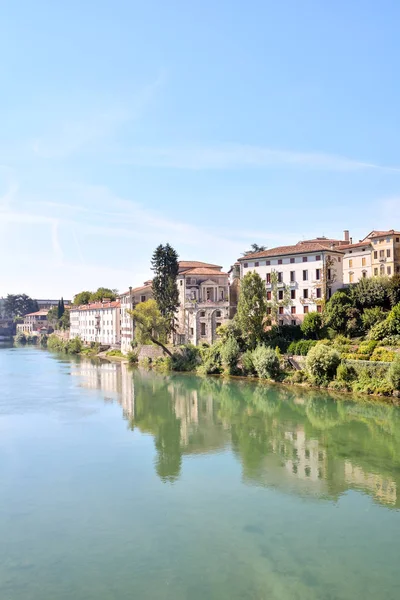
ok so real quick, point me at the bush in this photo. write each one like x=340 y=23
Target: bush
x=312 y=325
x=20 y=338
x=355 y=356
x=367 y=347
x=163 y=364
x=145 y=362
x=247 y=363
x=368 y=383
x=382 y=354
x=345 y=373
x=43 y=340
x=266 y=362
x=393 y=320
x=115 y=353
x=372 y=316
x=322 y=362
x=132 y=357
x=391 y=340
x=74 y=346
x=301 y=348
x=298 y=376
x=186 y=358
x=394 y=373
x=55 y=344
x=229 y=356
x=211 y=359
x=379 y=331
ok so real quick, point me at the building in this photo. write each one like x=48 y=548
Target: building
x=35 y=322
x=47 y=304
x=310 y=271
x=128 y=301
x=98 y=322
x=204 y=304
x=377 y=255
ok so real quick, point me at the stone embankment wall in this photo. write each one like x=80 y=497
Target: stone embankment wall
x=150 y=352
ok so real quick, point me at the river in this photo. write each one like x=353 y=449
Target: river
x=117 y=485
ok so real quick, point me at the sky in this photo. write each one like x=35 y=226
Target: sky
x=208 y=125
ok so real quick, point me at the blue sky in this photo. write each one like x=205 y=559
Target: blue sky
x=210 y=125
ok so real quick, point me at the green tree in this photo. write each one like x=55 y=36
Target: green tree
x=165 y=289
x=251 y=309
x=254 y=248
x=102 y=293
x=65 y=320
x=369 y=292
x=266 y=362
x=336 y=311
x=312 y=325
x=280 y=297
x=372 y=316
x=18 y=305
x=150 y=325
x=82 y=298
x=322 y=362
x=229 y=355
x=52 y=316
x=393 y=290
x=60 y=308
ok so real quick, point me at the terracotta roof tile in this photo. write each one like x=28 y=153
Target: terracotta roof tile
x=376 y=233
x=141 y=288
x=193 y=264
x=300 y=248
x=97 y=305
x=356 y=245
x=204 y=271
x=38 y=313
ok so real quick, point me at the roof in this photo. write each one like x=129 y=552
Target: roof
x=193 y=264
x=97 y=305
x=142 y=288
x=357 y=245
x=300 y=248
x=38 y=313
x=376 y=233
x=204 y=271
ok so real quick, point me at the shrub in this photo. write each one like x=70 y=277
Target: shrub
x=115 y=353
x=145 y=362
x=163 y=364
x=186 y=358
x=312 y=325
x=368 y=383
x=345 y=373
x=394 y=373
x=211 y=359
x=298 y=376
x=371 y=316
x=301 y=348
x=393 y=320
x=391 y=340
x=379 y=331
x=382 y=354
x=229 y=355
x=266 y=362
x=367 y=347
x=132 y=357
x=247 y=363
x=43 y=340
x=322 y=362
x=55 y=343
x=74 y=346
x=355 y=356
x=20 y=338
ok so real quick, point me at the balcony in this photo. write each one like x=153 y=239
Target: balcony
x=279 y=285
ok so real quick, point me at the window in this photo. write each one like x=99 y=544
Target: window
x=279 y=261
x=376 y=272
x=280 y=277
x=388 y=240
x=305 y=258
x=350 y=263
x=305 y=275
x=364 y=274
x=256 y=264
x=305 y=293
x=329 y=293
x=389 y=270
x=318 y=257
x=280 y=295
x=181 y=282
x=317 y=274
x=268 y=310
x=292 y=276
x=319 y=293
x=221 y=295
x=351 y=277
x=305 y=309
x=381 y=254
x=319 y=308
x=203 y=313
x=191 y=331
x=142 y=298
x=375 y=254
x=329 y=274
x=218 y=313
x=339 y=259
x=293 y=310
x=397 y=240
x=363 y=261
x=202 y=329
x=293 y=321
x=268 y=262
x=245 y=265
x=388 y=253
x=293 y=294
x=280 y=322
x=281 y=310
x=268 y=277
x=268 y=295
x=375 y=241
x=292 y=260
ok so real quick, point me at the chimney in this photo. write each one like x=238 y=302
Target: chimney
x=351 y=240
x=346 y=235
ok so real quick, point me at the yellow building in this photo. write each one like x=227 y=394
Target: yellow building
x=385 y=257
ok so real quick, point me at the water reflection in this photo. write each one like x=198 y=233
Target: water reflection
x=300 y=442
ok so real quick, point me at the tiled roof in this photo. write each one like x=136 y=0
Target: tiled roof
x=38 y=313
x=300 y=248
x=204 y=271
x=142 y=288
x=357 y=245
x=193 y=264
x=375 y=233
x=97 y=305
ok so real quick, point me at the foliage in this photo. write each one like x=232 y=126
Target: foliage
x=247 y=363
x=251 y=308
x=86 y=297
x=163 y=364
x=301 y=348
x=345 y=373
x=275 y=303
x=60 y=308
x=369 y=292
x=231 y=329
x=393 y=320
x=43 y=340
x=211 y=361
x=383 y=355
x=186 y=358
x=354 y=324
x=55 y=343
x=371 y=316
x=116 y=353
x=64 y=321
x=74 y=346
x=82 y=298
x=229 y=356
x=394 y=373
x=255 y=248
x=150 y=325
x=165 y=290
x=367 y=383
x=336 y=311
x=281 y=336
x=266 y=362
x=312 y=325
x=145 y=362
x=391 y=340
x=298 y=376
x=379 y=331
x=322 y=362
x=367 y=347
x=20 y=338
x=19 y=305
x=132 y=357
x=393 y=290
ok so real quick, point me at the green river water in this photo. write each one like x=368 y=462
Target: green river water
x=119 y=484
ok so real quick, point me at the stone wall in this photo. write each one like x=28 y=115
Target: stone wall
x=150 y=352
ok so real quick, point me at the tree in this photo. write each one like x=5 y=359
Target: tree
x=252 y=308
x=165 y=289
x=336 y=311
x=65 y=322
x=369 y=292
x=322 y=362
x=82 y=298
x=61 y=308
x=102 y=293
x=52 y=316
x=18 y=305
x=150 y=325
x=312 y=325
x=255 y=248
x=266 y=362
x=372 y=316
x=280 y=297
x=393 y=290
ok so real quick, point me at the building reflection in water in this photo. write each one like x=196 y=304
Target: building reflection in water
x=299 y=442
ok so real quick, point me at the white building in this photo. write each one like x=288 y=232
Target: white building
x=312 y=270
x=96 y=322
x=128 y=301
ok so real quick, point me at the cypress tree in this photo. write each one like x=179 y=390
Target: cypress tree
x=165 y=289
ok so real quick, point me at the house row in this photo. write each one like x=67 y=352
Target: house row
x=298 y=279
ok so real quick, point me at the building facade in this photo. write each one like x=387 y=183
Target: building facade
x=45 y=304
x=128 y=301
x=357 y=262
x=34 y=322
x=377 y=255
x=99 y=322
x=305 y=275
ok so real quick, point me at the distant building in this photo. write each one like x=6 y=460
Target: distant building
x=35 y=322
x=128 y=301
x=97 y=322
x=377 y=255
x=47 y=304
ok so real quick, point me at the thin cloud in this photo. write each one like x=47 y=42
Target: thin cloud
x=242 y=156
